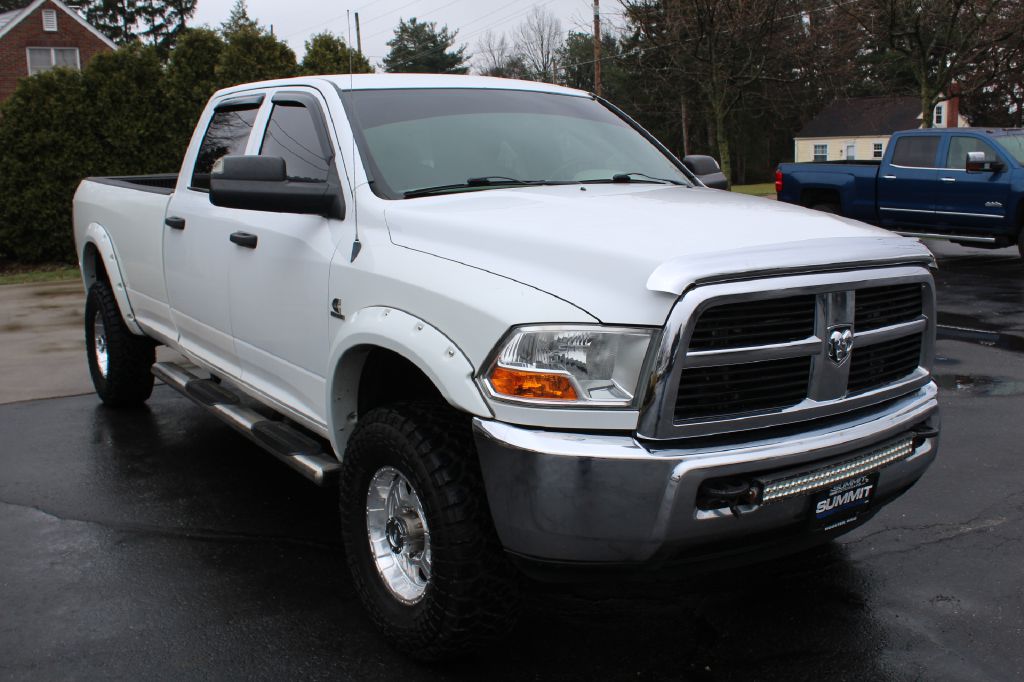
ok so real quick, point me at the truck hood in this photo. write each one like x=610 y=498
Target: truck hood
x=624 y=253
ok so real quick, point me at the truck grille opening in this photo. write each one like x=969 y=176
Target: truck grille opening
x=876 y=307
x=730 y=389
x=881 y=364
x=754 y=323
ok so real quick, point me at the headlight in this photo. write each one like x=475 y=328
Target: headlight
x=591 y=366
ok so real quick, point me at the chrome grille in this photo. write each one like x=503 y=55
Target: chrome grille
x=883 y=306
x=881 y=364
x=754 y=354
x=739 y=324
x=727 y=389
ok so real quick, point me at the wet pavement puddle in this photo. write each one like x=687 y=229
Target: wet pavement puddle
x=980 y=385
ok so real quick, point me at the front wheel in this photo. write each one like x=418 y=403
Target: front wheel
x=419 y=540
x=119 y=361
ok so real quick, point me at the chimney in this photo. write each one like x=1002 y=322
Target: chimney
x=953 y=107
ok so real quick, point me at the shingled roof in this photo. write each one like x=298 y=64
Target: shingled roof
x=865 y=116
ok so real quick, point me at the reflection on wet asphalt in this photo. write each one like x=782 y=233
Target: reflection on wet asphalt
x=158 y=543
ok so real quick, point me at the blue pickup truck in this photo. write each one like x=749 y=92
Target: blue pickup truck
x=961 y=184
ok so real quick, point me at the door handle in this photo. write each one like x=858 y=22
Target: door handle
x=174 y=222
x=948 y=179
x=888 y=177
x=244 y=239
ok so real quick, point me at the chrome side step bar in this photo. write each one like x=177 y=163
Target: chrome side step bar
x=286 y=442
x=948 y=237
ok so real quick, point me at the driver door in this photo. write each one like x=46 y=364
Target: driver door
x=279 y=278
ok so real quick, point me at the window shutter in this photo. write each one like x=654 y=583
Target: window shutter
x=50 y=20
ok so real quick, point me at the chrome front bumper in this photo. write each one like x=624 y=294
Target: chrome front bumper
x=611 y=499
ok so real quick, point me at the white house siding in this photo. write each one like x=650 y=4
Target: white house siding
x=863 y=147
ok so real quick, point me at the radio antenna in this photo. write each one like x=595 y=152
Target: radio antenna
x=357 y=245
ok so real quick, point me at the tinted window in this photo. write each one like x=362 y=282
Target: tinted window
x=421 y=138
x=1014 y=144
x=228 y=133
x=959 y=146
x=293 y=135
x=917 y=151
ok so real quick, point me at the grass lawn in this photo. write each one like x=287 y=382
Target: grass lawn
x=764 y=189
x=26 y=274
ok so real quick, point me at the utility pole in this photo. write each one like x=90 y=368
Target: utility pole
x=597 y=47
x=359 y=39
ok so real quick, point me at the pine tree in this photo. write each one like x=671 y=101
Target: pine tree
x=419 y=47
x=327 y=53
x=157 y=22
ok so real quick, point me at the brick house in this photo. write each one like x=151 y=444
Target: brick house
x=860 y=128
x=44 y=35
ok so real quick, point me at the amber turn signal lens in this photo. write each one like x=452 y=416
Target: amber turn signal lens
x=520 y=384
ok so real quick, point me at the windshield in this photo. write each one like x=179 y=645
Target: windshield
x=1014 y=144
x=445 y=138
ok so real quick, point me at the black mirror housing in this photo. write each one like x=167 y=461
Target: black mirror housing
x=707 y=170
x=260 y=183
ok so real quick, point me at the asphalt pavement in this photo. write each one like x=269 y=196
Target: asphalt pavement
x=158 y=544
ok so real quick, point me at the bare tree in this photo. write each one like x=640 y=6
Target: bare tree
x=537 y=41
x=969 y=43
x=497 y=56
x=721 y=48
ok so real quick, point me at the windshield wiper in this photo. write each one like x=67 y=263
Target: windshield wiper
x=486 y=181
x=628 y=177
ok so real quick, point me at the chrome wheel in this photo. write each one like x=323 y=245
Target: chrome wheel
x=396 y=526
x=99 y=335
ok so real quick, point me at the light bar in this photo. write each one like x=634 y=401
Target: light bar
x=780 y=489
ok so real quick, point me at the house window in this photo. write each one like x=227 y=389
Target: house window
x=45 y=58
x=50 y=20
x=821 y=152
x=940 y=109
x=876 y=150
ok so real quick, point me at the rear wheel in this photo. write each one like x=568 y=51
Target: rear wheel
x=1020 y=242
x=119 y=361
x=419 y=540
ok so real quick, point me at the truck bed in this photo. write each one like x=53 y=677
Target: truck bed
x=159 y=183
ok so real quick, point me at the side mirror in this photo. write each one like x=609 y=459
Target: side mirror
x=260 y=183
x=976 y=163
x=707 y=171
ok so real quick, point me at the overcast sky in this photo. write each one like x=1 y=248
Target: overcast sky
x=295 y=20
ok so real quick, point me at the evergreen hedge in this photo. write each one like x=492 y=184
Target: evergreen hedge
x=126 y=113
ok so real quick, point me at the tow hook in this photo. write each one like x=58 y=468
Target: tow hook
x=717 y=493
x=923 y=433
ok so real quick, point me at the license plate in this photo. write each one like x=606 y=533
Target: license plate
x=840 y=503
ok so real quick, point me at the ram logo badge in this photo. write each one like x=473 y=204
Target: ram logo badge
x=840 y=343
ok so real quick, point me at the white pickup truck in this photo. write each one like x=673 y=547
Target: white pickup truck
x=516 y=331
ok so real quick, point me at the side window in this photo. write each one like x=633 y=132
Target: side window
x=295 y=133
x=227 y=134
x=960 y=145
x=916 y=151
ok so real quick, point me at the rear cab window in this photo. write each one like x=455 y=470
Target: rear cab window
x=916 y=151
x=227 y=134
